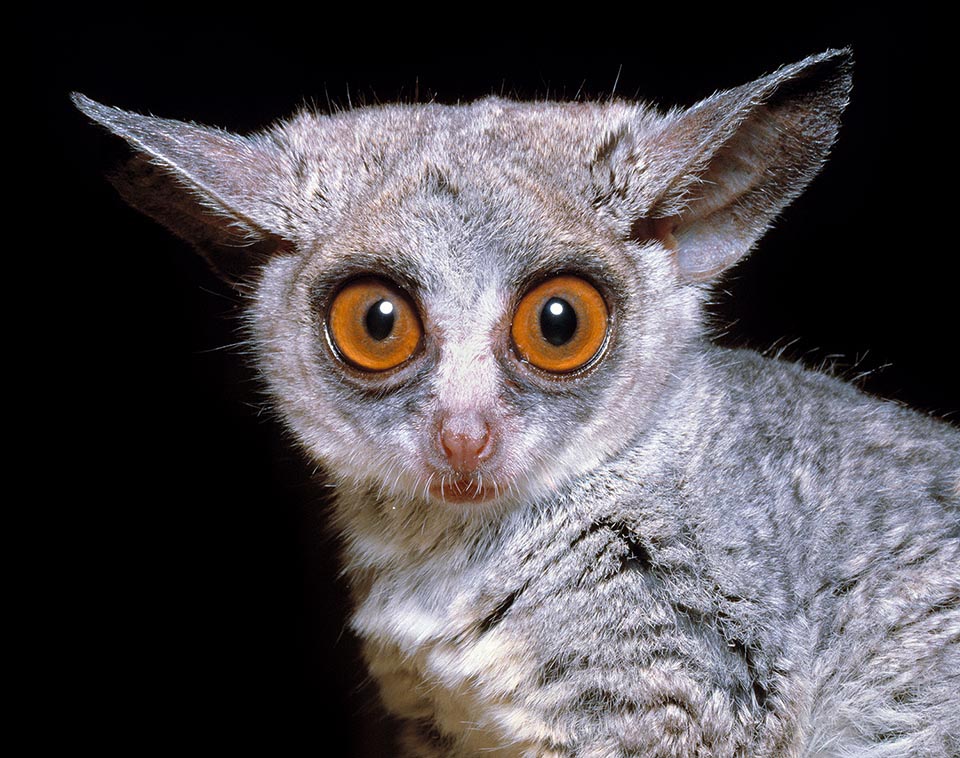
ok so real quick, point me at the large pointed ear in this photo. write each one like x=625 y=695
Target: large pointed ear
x=214 y=189
x=708 y=181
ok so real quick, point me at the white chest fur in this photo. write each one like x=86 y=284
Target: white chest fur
x=427 y=645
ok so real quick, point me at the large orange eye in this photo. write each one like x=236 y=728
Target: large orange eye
x=374 y=325
x=560 y=324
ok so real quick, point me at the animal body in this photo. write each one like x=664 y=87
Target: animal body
x=571 y=525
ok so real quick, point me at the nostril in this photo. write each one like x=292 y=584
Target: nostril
x=465 y=441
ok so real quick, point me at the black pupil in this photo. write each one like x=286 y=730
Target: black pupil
x=558 y=322
x=379 y=320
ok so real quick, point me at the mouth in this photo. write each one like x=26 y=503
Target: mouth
x=463 y=490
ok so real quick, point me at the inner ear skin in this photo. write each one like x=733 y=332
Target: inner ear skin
x=659 y=229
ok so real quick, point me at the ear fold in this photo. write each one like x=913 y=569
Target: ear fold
x=710 y=180
x=208 y=186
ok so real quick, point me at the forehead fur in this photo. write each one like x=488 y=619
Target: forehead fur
x=503 y=134
x=496 y=190
x=545 y=150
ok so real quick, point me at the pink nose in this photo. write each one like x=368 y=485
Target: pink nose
x=465 y=440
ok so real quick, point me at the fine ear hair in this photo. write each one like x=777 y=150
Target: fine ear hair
x=208 y=186
x=709 y=180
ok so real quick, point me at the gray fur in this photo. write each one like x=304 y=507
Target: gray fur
x=692 y=551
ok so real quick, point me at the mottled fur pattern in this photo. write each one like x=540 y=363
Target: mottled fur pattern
x=691 y=551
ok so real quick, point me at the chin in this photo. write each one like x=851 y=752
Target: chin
x=466 y=491
x=481 y=495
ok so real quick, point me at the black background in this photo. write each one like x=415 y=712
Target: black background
x=189 y=592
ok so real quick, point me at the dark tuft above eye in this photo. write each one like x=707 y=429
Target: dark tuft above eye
x=373 y=325
x=560 y=325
